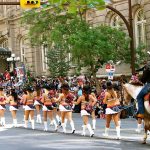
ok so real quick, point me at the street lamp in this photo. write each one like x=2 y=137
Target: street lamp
x=13 y=59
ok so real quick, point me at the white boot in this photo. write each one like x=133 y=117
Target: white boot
x=45 y=125
x=139 y=126
x=3 y=121
x=72 y=127
x=84 y=130
x=64 y=127
x=58 y=120
x=94 y=124
x=32 y=124
x=119 y=122
x=26 y=123
x=15 y=122
x=90 y=130
x=23 y=118
x=39 y=120
x=30 y=119
x=106 y=132
x=65 y=122
x=118 y=132
x=55 y=124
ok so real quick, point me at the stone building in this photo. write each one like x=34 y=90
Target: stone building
x=13 y=35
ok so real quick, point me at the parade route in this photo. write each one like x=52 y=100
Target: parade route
x=128 y=134
x=16 y=139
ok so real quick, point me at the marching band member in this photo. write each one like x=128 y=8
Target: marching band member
x=112 y=110
x=2 y=106
x=48 y=107
x=38 y=103
x=13 y=101
x=87 y=101
x=28 y=101
x=66 y=103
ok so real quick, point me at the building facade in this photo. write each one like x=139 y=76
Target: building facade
x=14 y=35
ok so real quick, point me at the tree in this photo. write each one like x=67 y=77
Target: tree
x=57 y=62
x=95 y=46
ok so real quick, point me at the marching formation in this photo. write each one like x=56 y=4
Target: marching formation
x=58 y=106
x=58 y=100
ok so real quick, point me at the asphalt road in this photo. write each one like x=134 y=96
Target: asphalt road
x=26 y=139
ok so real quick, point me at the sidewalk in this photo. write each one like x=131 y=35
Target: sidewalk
x=128 y=127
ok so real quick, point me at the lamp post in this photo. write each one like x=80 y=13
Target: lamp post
x=13 y=59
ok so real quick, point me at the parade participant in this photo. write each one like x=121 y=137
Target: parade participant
x=48 y=107
x=112 y=109
x=28 y=101
x=22 y=99
x=66 y=103
x=38 y=103
x=56 y=112
x=135 y=81
x=87 y=103
x=13 y=100
x=2 y=106
x=145 y=79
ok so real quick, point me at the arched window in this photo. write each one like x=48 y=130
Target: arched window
x=115 y=21
x=140 y=25
x=4 y=43
x=22 y=50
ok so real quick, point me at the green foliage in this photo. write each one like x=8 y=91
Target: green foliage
x=96 y=46
x=77 y=6
x=59 y=26
x=57 y=62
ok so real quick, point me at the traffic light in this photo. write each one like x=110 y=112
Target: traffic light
x=28 y=4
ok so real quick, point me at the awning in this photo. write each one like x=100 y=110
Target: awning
x=4 y=53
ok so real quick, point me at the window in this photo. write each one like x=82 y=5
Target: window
x=140 y=24
x=22 y=50
x=4 y=44
x=44 y=57
x=115 y=21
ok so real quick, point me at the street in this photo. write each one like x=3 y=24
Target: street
x=19 y=138
x=22 y=139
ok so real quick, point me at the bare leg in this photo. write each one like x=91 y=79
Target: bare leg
x=26 y=118
x=2 y=112
x=93 y=120
x=63 y=116
x=32 y=118
x=45 y=120
x=69 y=117
x=115 y=118
x=39 y=120
x=87 y=125
x=108 y=120
x=13 y=113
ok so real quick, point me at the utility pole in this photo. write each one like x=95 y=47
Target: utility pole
x=132 y=38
